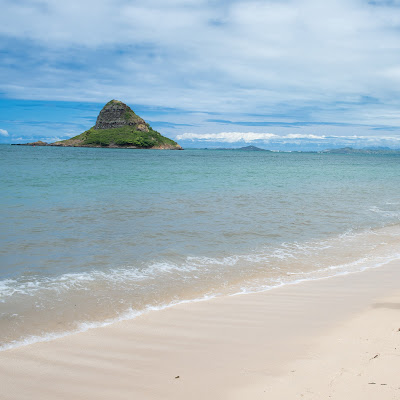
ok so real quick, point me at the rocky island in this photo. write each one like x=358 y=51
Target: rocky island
x=117 y=126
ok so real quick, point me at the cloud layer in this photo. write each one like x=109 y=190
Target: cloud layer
x=307 y=60
x=232 y=137
x=286 y=142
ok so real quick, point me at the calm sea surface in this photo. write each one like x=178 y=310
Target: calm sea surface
x=91 y=236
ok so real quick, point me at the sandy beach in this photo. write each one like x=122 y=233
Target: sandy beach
x=332 y=338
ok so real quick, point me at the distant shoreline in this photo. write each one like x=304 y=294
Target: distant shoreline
x=344 y=150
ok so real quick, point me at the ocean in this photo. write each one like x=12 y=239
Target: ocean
x=93 y=236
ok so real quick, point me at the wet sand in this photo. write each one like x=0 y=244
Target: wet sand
x=332 y=338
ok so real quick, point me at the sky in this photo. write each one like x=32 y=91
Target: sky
x=279 y=74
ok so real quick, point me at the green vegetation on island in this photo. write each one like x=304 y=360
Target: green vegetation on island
x=124 y=136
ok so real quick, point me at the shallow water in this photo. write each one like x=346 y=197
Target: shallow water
x=89 y=236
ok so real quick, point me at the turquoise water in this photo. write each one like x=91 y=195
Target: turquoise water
x=90 y=236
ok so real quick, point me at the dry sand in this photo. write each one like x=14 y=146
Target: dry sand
x=336 y=338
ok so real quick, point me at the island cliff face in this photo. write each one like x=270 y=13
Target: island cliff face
x=116 y=114
x=118 y=126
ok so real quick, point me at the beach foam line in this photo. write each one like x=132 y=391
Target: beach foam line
x=238 y=345
x=311 y=275
x=275 y=256
x=362 y=265
x=85 y=326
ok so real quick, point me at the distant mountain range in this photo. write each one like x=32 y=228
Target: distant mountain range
x=252 y=148
x=343 y=150
x=367 y=150
x=246 y=148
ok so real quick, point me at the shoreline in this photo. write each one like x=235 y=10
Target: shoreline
x=227 y=347
x=131 y=315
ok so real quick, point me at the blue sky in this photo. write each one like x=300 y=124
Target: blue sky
x=280 y=74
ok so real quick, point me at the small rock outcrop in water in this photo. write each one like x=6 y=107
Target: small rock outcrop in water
x=117 y=126
x=38 y=143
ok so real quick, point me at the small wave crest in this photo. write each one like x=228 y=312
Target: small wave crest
x=96 y=298
x=85 y=326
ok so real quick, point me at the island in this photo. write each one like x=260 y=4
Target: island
x=252 y=148
x=367 y=150
x=117 y=126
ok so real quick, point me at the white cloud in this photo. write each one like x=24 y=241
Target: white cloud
x=302 y=136
x=237 y=56
x=3 y=132
x=232 y=137
x=229 y=137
